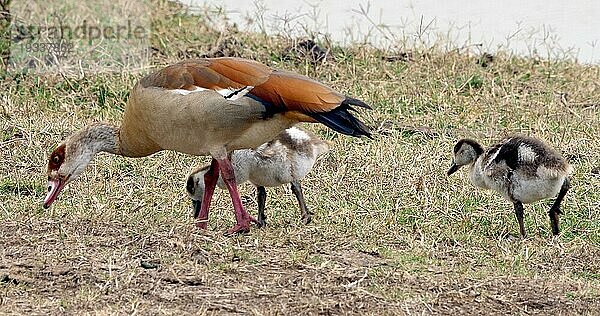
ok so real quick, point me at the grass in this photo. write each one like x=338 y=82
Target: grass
x=391 y=233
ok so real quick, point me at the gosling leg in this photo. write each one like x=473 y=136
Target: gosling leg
x=555 y=209
x=261 y=197
x=297 y=190
x=519 y=212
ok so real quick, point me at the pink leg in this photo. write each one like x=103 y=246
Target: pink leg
x=242 y=217
x=210 y=181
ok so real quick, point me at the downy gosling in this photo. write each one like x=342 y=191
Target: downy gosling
x=286 y=159
x=521 y=168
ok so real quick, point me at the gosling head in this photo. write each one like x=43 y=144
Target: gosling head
x=466 y=152
x=195 y=188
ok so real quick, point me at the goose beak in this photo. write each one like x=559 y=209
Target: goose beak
x=452 y=169
x=54 y=187
x=196 y=205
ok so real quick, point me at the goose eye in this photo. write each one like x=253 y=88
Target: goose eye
x=56 y=159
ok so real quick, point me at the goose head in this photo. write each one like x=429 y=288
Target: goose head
x=466 y=152
x=65 y=164
x=72 y=156
x=195 y=188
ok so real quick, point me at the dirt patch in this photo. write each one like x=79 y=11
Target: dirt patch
x=504 y=296
x=175 y=274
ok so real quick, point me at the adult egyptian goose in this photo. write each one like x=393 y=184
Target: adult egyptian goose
x=523 y=169
x=206 y=107
x=286 y=159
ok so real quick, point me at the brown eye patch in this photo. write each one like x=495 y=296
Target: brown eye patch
x=56 y=158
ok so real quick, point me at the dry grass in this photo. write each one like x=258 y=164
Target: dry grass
x=391 y=233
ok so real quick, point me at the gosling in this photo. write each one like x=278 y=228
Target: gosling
x=286 y=159
x=523 y=169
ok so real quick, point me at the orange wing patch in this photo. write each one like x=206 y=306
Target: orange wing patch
x=244 y=72
x=296 y=92
x=217 y=73
x=283 y=89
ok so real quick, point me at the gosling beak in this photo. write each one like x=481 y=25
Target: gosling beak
x=54 y=187
x=452 y=169
x=196 y=205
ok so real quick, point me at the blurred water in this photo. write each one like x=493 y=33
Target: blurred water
x=544 y=28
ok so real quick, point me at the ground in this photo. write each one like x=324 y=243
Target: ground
x=391 y=233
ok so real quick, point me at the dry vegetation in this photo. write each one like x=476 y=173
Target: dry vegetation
x=391 y=233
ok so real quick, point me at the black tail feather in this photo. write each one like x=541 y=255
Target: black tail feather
x=342 y=121
x=357 y=102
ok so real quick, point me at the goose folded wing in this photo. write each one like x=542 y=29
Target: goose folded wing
x=218 y=73
x=284 y=90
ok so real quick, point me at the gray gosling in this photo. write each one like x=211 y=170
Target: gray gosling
x=523 y=169
x=285 y=159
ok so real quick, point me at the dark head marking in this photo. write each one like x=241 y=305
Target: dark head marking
x=190 y=185
x=56 y=158
x=191 y=182
x=478 y=149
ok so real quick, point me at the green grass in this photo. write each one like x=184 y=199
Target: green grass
x=391 y=233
